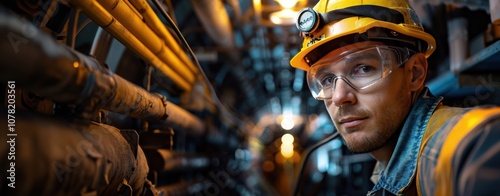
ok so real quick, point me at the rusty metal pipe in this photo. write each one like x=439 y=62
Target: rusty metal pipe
x=64 y=75
x=138 y=103
x=57 y=157
x=167 y=160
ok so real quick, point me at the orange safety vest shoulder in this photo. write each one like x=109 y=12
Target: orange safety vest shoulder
x=443 y=172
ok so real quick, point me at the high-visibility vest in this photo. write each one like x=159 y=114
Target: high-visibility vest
x=443 y=171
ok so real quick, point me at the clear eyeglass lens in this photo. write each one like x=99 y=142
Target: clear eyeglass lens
x=359 y=69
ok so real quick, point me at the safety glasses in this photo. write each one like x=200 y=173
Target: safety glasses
x=359 y=68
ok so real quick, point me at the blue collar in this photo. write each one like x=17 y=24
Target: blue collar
x=400 y=170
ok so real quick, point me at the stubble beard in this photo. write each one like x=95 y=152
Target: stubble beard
x=388 y=127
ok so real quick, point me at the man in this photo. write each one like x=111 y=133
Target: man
x=367 y=61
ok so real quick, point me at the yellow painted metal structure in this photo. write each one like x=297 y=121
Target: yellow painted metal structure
x=123 y=22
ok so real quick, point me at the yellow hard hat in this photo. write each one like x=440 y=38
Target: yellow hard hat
x=334 y=23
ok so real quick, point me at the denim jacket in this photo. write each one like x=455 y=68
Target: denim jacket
x=402 y=167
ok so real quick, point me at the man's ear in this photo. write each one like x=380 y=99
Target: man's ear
x=416 y=70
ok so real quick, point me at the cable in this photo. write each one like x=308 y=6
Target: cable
x=308 y=152
x=215 y=98
x=72 y=28
x=84 y=24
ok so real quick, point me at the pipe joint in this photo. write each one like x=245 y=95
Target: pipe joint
x=165 y=103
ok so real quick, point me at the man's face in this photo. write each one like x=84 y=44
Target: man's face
x=368 y=118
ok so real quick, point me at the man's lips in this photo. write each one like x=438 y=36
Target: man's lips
x=351 y=121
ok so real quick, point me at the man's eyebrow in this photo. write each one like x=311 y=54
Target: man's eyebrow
x=361 y=56
x=358 y=57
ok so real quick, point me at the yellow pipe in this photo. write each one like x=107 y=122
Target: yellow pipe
x=104 y=19
x=133 y=9
x=122 y=12
x=159 y=28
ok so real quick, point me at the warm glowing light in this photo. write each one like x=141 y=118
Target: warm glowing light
x=257 y=4
x=287 y=154
x=287 y=123
x=287 y=150
x=287 y=4
x=283 y=17
x=287 y=139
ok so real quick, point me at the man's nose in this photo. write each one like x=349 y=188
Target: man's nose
x=343 y=93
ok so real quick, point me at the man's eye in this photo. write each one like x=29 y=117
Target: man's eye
x=363 y=70
x=327 y=80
